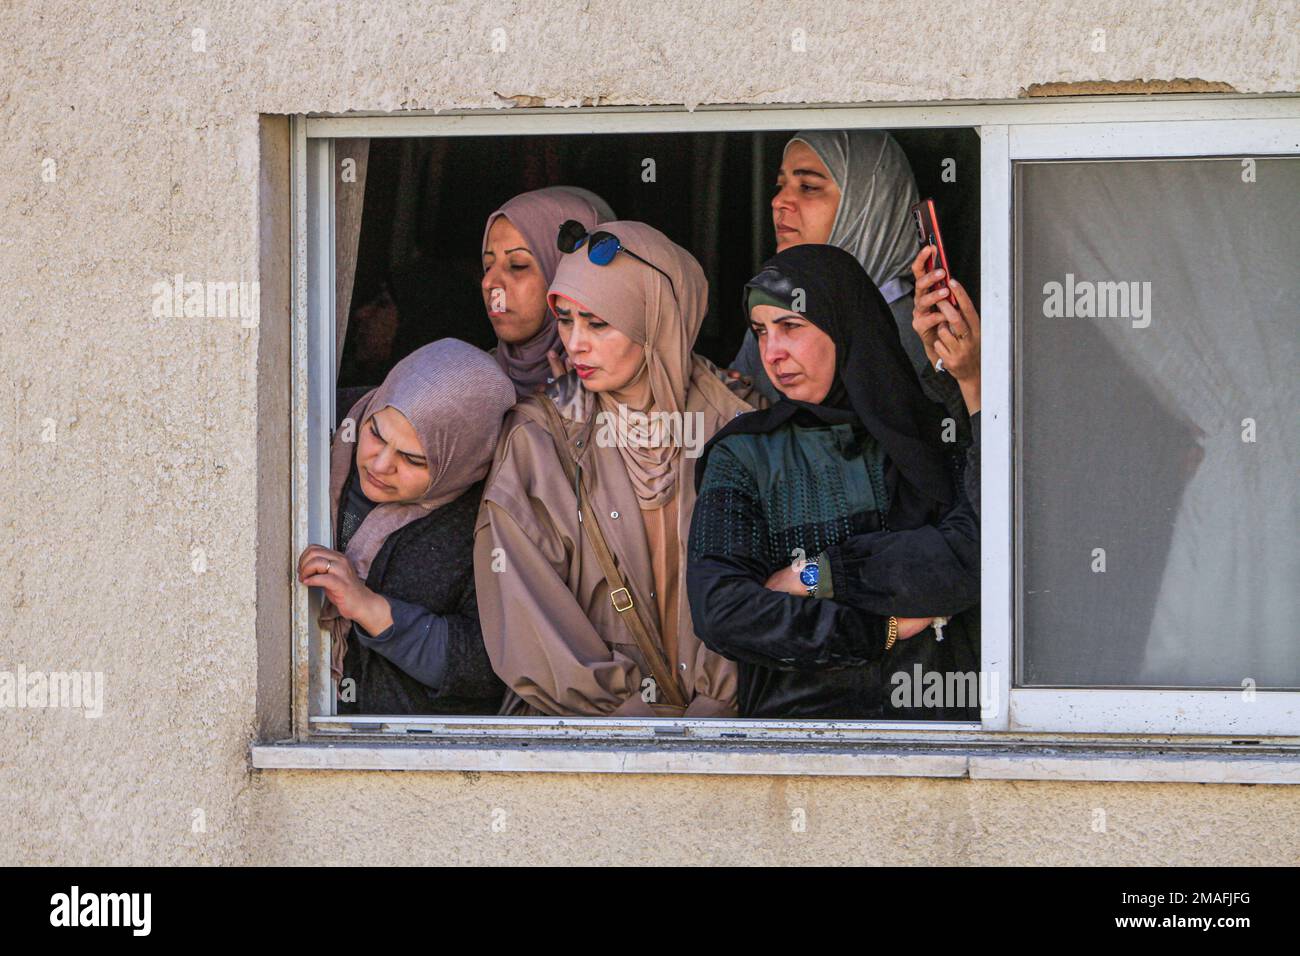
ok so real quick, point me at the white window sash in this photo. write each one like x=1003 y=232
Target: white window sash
x=997 y=545
x=1132 y=710
x=313 y=381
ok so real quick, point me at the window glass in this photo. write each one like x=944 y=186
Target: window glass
x=1158 y=358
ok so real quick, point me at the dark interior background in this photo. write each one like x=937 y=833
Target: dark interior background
x=418 y=262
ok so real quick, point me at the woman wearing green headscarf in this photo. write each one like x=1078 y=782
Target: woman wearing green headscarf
x=852 y=189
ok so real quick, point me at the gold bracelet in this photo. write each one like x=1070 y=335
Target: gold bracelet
x=892 y=636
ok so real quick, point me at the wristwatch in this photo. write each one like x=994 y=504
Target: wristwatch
x=810 y=576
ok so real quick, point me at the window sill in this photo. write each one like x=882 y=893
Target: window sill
x=1006 y=762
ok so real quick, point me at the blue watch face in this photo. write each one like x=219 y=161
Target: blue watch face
x=810 y=575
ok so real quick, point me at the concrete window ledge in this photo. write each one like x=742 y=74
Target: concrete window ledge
x=1170 y=768
x=808 y=759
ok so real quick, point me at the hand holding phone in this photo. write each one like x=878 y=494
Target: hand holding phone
x=927 y=230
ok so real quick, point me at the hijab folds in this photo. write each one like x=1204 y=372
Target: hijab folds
x=874 y=381
x=872 y=223
x=662 y=311
x=877 y=190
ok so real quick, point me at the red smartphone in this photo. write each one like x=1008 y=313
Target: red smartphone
x=927 y=230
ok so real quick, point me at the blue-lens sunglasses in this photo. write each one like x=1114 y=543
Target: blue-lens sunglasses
x=602 y=248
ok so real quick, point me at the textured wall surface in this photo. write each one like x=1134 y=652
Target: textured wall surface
x=129 y=441
x=305 y=818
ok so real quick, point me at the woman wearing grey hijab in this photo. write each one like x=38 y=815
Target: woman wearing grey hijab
x=851 y=189
x=854 y=189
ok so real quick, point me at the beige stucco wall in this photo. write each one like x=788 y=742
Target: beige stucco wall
x=156 y=447
x=557 y=819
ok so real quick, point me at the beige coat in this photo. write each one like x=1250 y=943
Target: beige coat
x=548 y=624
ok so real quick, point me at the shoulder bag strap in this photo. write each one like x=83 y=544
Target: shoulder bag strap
x=619 y=596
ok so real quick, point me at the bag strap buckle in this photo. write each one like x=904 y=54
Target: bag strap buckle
x=613 y=599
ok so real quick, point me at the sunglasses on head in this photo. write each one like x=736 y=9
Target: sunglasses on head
x=602 y=247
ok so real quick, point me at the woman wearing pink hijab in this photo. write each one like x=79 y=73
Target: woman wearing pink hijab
x=519 y=262
x=406 y=476
x=614 y=440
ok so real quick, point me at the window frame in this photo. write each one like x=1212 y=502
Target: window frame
x=1020 y=718
x=1134 y=709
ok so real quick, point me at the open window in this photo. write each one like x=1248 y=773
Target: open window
x=1138 y=460
x=411 y=258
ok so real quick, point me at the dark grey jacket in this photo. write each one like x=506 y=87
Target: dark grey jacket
x=432 y=660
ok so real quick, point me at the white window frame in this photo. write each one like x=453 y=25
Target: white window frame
x=1134 y=710
x=1029 y=734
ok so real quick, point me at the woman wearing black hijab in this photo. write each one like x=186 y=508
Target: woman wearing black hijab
x=851 y=467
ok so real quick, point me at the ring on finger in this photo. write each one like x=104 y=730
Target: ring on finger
x=328 y=565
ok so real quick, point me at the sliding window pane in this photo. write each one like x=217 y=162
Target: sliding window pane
x=1158 y=364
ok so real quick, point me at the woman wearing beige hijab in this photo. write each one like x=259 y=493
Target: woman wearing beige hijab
x=406 y=476
x=566 y=636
